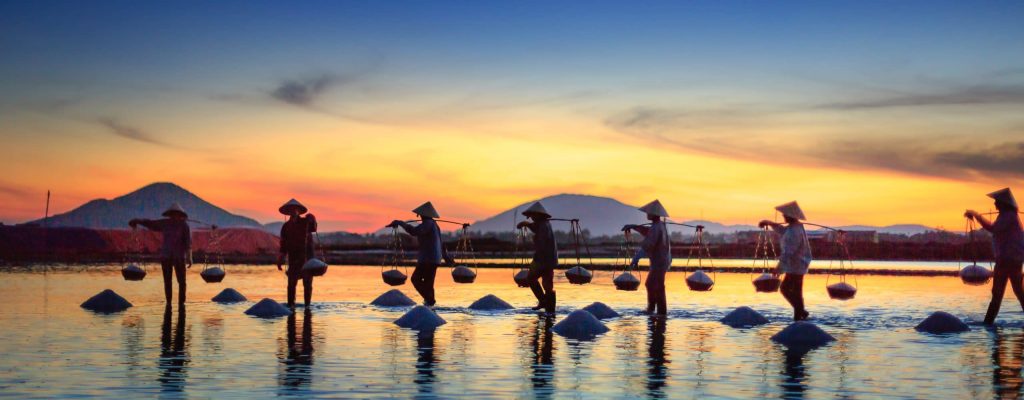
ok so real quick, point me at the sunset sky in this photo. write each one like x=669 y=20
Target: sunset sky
x=866 y=112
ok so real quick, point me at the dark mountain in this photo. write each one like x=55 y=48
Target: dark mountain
x=147 y=202
x=606 y=216
x=599 y=215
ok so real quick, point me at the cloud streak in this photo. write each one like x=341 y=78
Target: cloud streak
x=305 y=92
x=975 y=95
x=118 y=128
x=776 y=137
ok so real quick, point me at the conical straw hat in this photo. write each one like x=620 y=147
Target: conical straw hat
x=427 y=210
x=537 y=209
x=290 y=205
x=655 y=208
x=1004 y=196
x=175 y=208
x=792 y=210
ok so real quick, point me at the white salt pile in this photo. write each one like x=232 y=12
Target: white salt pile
x=315 y=267
x=743 y=317
x=463 y=274
x=393 y=298
x=841 y=291
x=393 y=277
x=106 y=302
x=767 y=283
x=132 y=272
x=268 y=308
x=420 y=318
x=213 y=274
x=601 y=311
x=975 y=275
x=229 y=295
x=626 y=281
x=802 y=334
x=580 y=324
x=699 y=281
x=489 y=303
x=522 y=278
x=942 y=322
x=578 y=275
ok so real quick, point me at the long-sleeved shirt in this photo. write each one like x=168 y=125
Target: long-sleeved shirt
x=656 y=245
x=1007 y=237
x=545 y=250
x=796 y=251
x=428 y=234
x=297 y=237
x=177 y=237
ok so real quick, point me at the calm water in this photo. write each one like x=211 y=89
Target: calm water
x=53 y=348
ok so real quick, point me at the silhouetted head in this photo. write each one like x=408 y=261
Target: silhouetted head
x=1005 y=207
x=537 y=216
x=653 y=218
x=790 y=220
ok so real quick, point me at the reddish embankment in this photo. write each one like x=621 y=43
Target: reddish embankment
x=35 y=243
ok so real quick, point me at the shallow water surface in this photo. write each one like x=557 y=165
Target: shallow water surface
x=346 y=348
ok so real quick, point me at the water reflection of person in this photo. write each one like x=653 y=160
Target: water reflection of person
x=542 y=365
x=795 y=257
x=1007 y=356
x=425 y=362
x=657 y=372
x=174 y=355
x=794 y=374
x=298 y=360
x=1008 y=248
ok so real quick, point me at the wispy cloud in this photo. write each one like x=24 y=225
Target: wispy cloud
x=133 y=133
x=777 y=137
x=974 y=95
x=305 y=92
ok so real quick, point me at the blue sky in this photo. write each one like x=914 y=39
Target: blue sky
x=926 y=90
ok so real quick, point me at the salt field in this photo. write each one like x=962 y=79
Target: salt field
x=346 y=348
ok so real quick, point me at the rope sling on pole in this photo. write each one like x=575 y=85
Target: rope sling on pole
x=841 y=290
x=132 y=258
x=625 y=280
x=521 y=275
x=767 y=281
x=973 y=274
x=316 y=265
x=578 y=275
x=213 y=273
x=699 y=281
x=396 y=255
x=461 y=272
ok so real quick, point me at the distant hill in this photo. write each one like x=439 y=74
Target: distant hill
x=606 y=216
x=273 y=228
x=147 y=202
x=599 y=215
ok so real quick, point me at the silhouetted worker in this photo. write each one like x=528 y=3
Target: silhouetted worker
x=795 y=258
x=657 y=246
x=545 y=256
x=176 y=251
x=1008 y=246
x=297 y=246
x=431 y=250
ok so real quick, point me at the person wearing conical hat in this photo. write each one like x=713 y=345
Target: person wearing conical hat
x=795 y=258
x=545 y=256
x=657 y=246
x=176 y=250
x=297 y=248
x=431 y=250
x=1008 y=247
